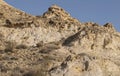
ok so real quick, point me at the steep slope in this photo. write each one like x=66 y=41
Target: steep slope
x=56 y=44
x=9 y=14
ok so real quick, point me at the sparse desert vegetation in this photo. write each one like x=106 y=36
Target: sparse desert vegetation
x=56 y=44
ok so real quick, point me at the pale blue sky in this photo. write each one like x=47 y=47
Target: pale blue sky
x=99 y=11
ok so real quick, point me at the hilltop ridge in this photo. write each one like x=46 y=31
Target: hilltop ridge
x=56 y=44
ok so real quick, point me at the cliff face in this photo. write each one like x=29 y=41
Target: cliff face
x=55 y=44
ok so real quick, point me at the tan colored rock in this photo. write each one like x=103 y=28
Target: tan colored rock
x=54 y=11
x=55 y=44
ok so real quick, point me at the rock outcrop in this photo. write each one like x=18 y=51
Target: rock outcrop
x=56 y=44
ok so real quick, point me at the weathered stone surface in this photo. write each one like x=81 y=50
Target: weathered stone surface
x=55 y=44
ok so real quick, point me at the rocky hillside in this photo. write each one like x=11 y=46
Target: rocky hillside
x=56 y=44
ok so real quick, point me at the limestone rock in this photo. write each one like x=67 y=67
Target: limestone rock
x=56 y=16
x=56 y=44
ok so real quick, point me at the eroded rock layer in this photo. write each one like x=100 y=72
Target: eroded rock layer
x=56 y=44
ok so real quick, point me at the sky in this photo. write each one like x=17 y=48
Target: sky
x=98 y=11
